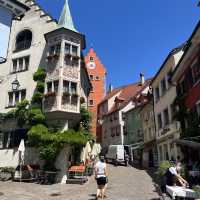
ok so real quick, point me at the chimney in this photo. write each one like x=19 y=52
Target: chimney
x=142 y=80
x=110 y=89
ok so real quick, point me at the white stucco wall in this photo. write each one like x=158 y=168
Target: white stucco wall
x=38 y=26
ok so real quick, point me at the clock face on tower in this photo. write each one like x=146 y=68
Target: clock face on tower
x=91 y=65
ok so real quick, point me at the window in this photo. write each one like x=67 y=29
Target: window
x=91 y=77
x=159 y=121
x=74 y=50
x=55 y=85
x=125 y=130
x=1 y=140
x=52 y=50
x=196 y=71
x=157 y=94
x=169 y=75
x=92 y=89
x=23 y=40
x=20 y=64
x=73 y=88
x=97 y=78
x=14 y=66
x=67 y=48
x=118 y=131
x=58 y=48
x=198 y=108
x=91 y=59
x=12 y=139
x=163 y=86
x=91 y=102
x=16 y=97
x=75 y=62
x=49 y=87
x=65 y=86
x=166 y=117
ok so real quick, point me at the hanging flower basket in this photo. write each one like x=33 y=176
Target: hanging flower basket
x=49 y=57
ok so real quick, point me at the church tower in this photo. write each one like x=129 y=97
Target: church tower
x=97 y=74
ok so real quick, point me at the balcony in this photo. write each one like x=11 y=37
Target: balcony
x=169 y=129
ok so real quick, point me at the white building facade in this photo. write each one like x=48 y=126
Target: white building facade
x=9 y=10
x=167 y=128
x=38 y=40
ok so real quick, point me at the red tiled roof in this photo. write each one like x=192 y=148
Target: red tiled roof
x=128 y=92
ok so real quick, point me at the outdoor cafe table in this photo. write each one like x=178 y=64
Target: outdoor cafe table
x=176 y=191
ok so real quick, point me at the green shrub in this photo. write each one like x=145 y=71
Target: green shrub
x=40 y=86
x=39 y=75
x=36 y=133
x=37 y=97
x=10 y=114
x=7 y=169
x=36 y=116
x=197 y=190
x=21 y=113
x=163 y=166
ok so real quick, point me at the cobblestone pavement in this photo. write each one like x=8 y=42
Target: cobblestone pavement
x=125 y=183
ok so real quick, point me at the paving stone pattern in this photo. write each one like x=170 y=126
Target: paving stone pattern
x=125 y=183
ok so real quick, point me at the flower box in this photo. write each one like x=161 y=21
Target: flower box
x=67 y=55
x=56 y=56
x=50 y=94
x=66 y=94
x=75 y=95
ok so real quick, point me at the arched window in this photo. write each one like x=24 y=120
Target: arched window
x=23 y=40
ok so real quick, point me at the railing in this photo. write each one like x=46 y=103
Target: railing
x=23 y=45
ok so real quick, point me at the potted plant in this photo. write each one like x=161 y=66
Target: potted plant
x=6 y=173
x=75 y=95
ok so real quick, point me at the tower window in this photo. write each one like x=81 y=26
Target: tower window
x=91 y=102
x=91 y=77
x=91 y=59
x=23 y=40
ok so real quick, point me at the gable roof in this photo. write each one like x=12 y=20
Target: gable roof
x=127 y=93
x=171 y=53
x=187 y=47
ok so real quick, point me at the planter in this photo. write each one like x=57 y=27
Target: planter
x=67 y=56
x=50 y=94
x=75 y=95
x=56 y=56
x=66 y=94
x=5 y=176
x=50 y=177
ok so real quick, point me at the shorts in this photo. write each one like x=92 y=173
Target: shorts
x=101 y=181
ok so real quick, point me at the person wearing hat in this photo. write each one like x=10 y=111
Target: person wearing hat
x=101 y=177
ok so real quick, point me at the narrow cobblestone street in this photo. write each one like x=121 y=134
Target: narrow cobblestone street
x=124 y=184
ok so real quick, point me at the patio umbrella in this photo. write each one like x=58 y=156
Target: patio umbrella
x=21 y=150
x=96 y=150
x=86 y=151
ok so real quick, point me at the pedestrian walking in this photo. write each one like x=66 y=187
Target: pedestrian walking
x=101 y=175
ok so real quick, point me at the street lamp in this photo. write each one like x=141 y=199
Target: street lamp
x=15 y=84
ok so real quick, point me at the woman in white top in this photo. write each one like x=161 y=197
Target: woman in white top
x=101 y=177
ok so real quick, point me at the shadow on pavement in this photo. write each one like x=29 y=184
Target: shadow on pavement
x=1 y=193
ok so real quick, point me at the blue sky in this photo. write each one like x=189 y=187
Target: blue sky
x=131 y=36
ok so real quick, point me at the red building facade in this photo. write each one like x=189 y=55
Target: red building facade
x=187 y=73
x=97 y=74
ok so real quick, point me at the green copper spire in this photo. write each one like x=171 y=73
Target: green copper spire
x=66 y=18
